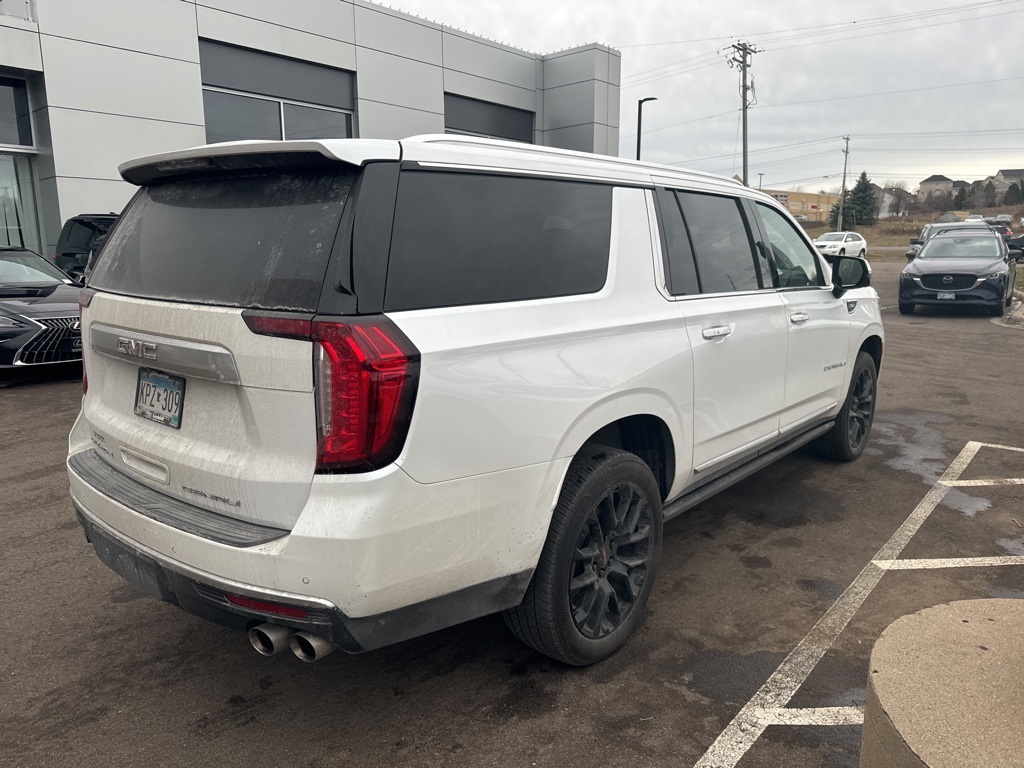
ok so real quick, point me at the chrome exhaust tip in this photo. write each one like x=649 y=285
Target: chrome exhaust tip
x=270 y=639
x=309 y=647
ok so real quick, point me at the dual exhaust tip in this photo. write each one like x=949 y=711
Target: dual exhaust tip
x=271 y=639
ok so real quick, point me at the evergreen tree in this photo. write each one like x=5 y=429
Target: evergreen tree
x=863 y=202
x=1013 y=195
x=960 y=201
x=990 y=194
x=848 y=214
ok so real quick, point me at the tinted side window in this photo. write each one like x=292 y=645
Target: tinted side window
x=796 y=265
x=721 y=243
x=476 y=239
x=681 y=274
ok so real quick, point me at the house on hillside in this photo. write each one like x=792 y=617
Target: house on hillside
x=1004 y=178
x=933 y=185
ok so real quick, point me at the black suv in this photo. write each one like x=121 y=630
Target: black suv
x=80 y=237
x=964 y=266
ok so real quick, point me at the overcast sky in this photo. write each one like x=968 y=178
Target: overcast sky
x=817 y=56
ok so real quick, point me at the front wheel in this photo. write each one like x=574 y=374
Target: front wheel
x=597 y=568
x=842 y=252
x=849 y=435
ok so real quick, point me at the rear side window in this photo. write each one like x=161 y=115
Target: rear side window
x=476 y=239
x=252 y=240
x=721 y=243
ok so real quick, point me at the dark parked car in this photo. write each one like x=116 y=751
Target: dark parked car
x=1016 y=246
x=79 y=238
x=929 y=231
x=38 y=311
x=963 y=267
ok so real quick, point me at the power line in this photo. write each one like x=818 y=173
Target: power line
x=676 y=125
x=891 y=93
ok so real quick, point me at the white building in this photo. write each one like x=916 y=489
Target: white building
x=87 y=84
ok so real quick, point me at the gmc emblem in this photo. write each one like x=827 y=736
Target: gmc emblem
x=144 y=349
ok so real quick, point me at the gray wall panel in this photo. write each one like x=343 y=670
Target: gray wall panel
x=391 y=79
x=570 y=105
x=19 y=45
x=129 y=83
x=80 y=155
x=159 y=28
x=580 y=137
x=331 y=19
x=481 y=88
x=265 y=36
x=384 y=30
x=488 y=60
x=386 y=121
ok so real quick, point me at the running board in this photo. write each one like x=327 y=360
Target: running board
x=693 y=498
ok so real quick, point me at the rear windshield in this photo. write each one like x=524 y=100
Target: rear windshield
x=254 y=240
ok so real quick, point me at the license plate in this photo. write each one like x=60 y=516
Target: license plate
x=160 y=397
x=945 y=295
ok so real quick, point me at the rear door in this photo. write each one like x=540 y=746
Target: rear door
x=182 y=396
x=735 y=324
x=819 y=323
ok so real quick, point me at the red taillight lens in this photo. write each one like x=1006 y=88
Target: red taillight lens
x=366 y=376
x=366 y=372
x=277 y=609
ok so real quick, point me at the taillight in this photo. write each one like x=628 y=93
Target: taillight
x=365 y=374
x=264 y=606
x=84 y=300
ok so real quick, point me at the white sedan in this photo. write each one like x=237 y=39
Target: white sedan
x=841 y=244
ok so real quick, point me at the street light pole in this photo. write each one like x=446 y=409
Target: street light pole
x=639 y=121
x=760 y=178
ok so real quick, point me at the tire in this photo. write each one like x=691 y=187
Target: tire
x=842 y=251
x=590 y=588
x=906 y=309
x=847 y=438
x=862 y=253
x=1008 y=301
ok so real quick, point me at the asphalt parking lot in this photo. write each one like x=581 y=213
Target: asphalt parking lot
x=754 y=652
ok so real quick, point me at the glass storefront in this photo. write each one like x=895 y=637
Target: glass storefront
x=19 y=222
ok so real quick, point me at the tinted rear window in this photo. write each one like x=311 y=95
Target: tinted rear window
x=469 y=239
x=254 y=240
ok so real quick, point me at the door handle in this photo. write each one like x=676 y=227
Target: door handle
x=716 y=332
x=799 y=317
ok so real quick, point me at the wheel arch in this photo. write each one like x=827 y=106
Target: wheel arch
x=874 y=346
x=637 y=422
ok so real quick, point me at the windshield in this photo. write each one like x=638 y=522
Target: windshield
x=965 y=247
x=17 y=267
x=829 y=237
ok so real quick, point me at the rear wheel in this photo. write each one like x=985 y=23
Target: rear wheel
x=862 y=253
x=598 y=565
x=842 y=252
x=906 y=308
x=847 y=438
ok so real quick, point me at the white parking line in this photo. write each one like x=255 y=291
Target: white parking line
x=748 y=724
x=815 y=716
x=980 y=483
x=949 y=562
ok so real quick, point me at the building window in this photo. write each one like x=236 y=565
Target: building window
x=15 y=118
x=19 y=225
x=231 y=116
x=473 y=117
x=249 y=94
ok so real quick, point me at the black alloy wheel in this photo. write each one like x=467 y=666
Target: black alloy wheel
x=849 y=436
x=610 y=562
x=597 y=569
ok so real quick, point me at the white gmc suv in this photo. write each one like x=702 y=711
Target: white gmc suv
x=341 y=393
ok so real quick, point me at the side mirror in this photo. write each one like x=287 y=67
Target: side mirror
x=910 y=255
x=915 y=241
x=849 y=272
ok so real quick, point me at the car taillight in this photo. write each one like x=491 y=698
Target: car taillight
x=84 y=300
x=365 y=374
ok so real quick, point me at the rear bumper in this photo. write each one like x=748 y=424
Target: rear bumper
x=206 y=595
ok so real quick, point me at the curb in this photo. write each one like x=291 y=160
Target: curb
x=1017 y=316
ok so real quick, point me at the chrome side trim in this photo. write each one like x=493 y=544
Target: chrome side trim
x=190 y=358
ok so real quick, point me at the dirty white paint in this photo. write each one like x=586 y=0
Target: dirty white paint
x=750 y=722
x=949 y=562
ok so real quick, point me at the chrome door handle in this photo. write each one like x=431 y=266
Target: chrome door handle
x=716 y=332
x=799 y=317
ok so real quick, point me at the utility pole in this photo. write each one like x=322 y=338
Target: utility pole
x=842 y=193
x=741 y=55
x=760 y=178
